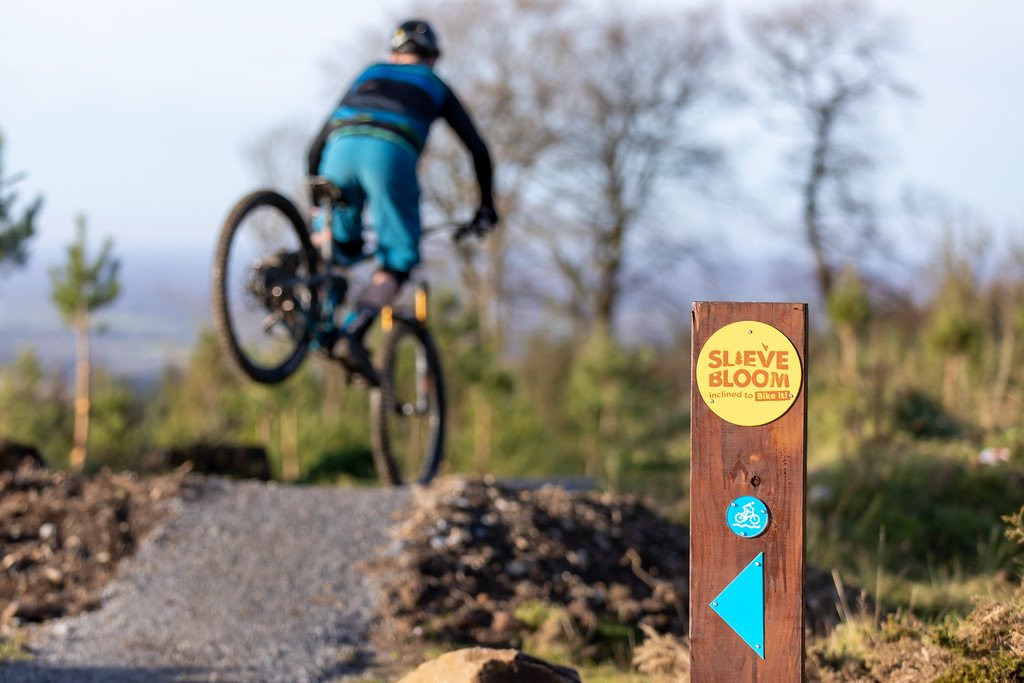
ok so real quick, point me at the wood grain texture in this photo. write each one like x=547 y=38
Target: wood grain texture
x=769 y=462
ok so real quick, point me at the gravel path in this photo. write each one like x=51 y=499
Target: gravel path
x=245 y=582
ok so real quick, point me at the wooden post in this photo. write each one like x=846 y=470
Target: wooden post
x=748 y=439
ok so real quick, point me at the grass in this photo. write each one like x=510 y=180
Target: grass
x=985 y=645
x=935 y=600
x=12 y=647
x=936 y=513
x=920 y=528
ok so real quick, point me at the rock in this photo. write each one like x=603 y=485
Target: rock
x=503 y=621
x=8 y=612
x=516 y=569
x=483 y=665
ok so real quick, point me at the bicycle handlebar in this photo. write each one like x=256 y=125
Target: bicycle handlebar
x=459 y=230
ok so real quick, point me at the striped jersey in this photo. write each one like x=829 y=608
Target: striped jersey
x=398 y=103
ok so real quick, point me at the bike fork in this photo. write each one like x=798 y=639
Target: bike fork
x=422 y=368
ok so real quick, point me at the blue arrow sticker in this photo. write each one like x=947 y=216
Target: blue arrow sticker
x=741 y=605
x=747 y=516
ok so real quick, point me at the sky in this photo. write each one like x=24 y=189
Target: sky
x=139 y=114
x=962 y=136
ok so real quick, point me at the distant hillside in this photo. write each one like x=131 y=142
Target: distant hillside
x=165 y=301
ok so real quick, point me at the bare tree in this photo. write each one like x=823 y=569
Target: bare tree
x=278 y=158
x=634 y=89
x=829 y=62
x=588 y=116
x=497 y=56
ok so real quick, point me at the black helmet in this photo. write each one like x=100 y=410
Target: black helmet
x=416 y=36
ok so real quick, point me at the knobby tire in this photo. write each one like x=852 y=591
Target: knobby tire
x=227 y=336
x=382 y=407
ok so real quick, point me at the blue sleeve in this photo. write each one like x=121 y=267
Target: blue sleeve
x=458 y=118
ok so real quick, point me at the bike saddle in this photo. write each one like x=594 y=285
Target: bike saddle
x=320 y=188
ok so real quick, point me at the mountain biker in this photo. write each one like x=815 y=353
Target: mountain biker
x=369 y=147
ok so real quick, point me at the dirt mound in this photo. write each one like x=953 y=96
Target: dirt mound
x=483 y=563
x=61 y=536
x=480 y=561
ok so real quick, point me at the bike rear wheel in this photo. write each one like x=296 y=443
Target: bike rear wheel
x=261 y=286
x=407 y=411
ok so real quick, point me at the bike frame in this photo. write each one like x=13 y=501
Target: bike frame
x=331 y=274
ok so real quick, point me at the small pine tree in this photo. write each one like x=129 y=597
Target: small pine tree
x=80 y=287
x=15 y=232
x=849 y=309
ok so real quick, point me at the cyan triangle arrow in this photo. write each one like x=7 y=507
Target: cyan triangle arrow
x=741 y=605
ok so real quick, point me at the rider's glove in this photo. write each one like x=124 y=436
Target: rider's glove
x=485 y=220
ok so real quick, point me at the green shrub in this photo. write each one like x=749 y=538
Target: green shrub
x=916 y=413
x=935 y=510
x=342 y=463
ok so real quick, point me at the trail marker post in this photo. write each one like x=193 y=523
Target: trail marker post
x=748 y=432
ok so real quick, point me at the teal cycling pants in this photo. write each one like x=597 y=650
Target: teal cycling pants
x=379 y=174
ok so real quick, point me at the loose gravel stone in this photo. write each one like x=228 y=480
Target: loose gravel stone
x=247 y=581
x=62 y=536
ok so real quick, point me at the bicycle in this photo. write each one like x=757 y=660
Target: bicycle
x=276 y=298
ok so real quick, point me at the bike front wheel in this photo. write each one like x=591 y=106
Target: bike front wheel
x=263 y=299
x=407 y=411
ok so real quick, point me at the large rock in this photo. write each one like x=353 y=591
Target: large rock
x=484 y=665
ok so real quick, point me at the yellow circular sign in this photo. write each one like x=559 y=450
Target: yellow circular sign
x=748 y=373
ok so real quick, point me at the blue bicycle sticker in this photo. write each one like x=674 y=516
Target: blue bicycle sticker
x=747 y=516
